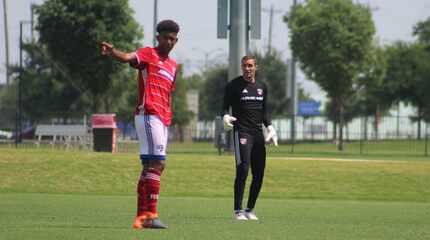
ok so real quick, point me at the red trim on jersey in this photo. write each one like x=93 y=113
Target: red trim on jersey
x=156 y=87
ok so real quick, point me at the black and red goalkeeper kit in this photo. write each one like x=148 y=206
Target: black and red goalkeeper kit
x=248 y=103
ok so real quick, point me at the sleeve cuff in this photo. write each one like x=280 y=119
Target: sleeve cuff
x=137 y=57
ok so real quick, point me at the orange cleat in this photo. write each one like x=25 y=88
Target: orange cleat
x=139 y=220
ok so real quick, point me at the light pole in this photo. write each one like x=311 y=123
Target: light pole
x=18 y=122
x=154 y=39
x=293 y=94
x=6 y=31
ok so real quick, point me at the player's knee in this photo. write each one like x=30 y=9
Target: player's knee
x=258 y=177
x=159 y=165
x=241 y=175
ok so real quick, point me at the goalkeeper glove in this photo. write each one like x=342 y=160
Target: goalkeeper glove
x=228 y=121
x=271 y=135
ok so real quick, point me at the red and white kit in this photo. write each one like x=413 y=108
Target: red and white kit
x=153 y=113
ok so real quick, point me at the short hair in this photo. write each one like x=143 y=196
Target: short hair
x=167 y=26
x=248 y=57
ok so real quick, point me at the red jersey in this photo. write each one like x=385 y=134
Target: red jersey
x=156 y=83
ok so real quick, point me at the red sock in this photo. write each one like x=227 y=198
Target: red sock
x=152 y=189
x=141 y=198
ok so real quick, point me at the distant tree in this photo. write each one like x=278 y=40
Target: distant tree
x=194 y=81
x=352 y=109
x=273 y=71
x=422 y=31
x=71 y=31
x=371 y=88
x=331 y=40
x=302 y=94
x=181 y=115
x=212 y=92
x=44 y=95
x=408 y=76
x=8 y=106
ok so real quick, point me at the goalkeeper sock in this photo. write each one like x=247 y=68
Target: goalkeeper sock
x=152 y=189
x=141 y=196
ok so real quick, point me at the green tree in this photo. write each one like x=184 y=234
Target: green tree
x=181 y=115
x=8 y=106
x=71 y=31
x=422 y=31
x=331 y=39
x=408 y=76
x=302 y=94
x=43 y=94
x=371 y=91
x=212 y=92
x=352 y=109
x=273 y=71
x=194 y=82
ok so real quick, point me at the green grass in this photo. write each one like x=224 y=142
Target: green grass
x=375 y=149
x=51 y=194
x=48 y=216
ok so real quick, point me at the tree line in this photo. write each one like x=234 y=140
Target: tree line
x=64 y=75
x=334 y=41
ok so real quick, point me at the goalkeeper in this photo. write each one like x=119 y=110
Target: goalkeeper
x=247 y=98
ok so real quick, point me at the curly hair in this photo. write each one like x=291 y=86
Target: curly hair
x=167 y=26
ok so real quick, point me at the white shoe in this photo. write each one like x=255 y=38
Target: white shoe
x=240 y=216
x=251 y=216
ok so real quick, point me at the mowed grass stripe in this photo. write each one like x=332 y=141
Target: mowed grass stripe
x=338 y=159
x=52 y=171
x=74 y=216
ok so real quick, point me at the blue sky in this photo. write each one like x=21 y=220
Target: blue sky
x=394 y=20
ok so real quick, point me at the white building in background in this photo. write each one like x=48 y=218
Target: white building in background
x=193 y=103
x=193 y=106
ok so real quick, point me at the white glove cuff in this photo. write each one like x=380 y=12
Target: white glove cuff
x=271 y=128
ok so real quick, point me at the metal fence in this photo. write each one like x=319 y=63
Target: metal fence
x=385 y=135
x=313 y=135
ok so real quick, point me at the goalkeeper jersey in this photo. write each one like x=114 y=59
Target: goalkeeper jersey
x=248 y=103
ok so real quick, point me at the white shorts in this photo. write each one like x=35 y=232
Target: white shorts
x=152 y=134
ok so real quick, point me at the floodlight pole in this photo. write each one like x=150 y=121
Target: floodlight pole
x=293 y=100
x=18 y=122
x=238 y=36
x=6 y=36
x=154 y=39
x=32 y=7
x=18 y=92
x=241 y=19
x=238 y=42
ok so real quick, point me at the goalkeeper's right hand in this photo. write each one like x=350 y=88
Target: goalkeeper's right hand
x=228 y=121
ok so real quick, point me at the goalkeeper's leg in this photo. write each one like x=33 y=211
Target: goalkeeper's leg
x=258 y=164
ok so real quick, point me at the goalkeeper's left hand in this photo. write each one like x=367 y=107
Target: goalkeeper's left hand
x=271 y=135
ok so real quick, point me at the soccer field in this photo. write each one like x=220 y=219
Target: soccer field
x=74 y=216
x=48 y=194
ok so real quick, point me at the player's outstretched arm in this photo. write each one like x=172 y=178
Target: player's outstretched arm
x=109 y=50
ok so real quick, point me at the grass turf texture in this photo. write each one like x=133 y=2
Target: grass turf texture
x=375 y=149
x=49 y=194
